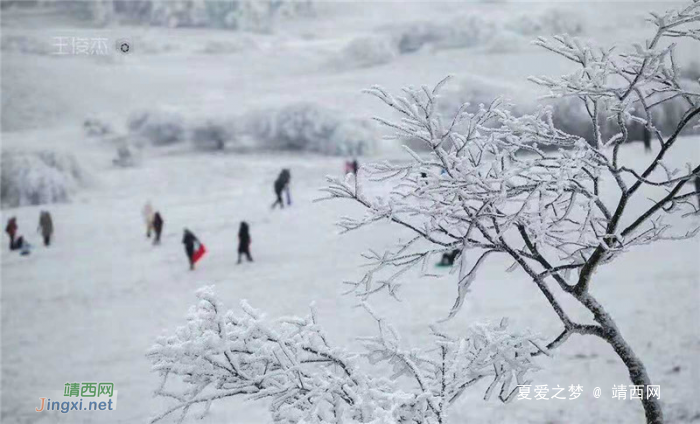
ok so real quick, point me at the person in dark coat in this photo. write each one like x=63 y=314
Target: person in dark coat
x=190 y=242
x=46 y=227
x=11 y=230
x=647 y=140
x=355 y=166
x=697 y=188
x=287 y=177
x=244 y=241
x=282 y=184
x=448 y=259
x=157 y=227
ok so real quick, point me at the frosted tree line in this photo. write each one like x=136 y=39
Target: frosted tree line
x=245 y=15
x=493 y=184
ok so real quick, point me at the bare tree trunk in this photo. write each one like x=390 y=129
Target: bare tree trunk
x=638 y=373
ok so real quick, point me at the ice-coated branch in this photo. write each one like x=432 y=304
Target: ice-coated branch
x=289 y=362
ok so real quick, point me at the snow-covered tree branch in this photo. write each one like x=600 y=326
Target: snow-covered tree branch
x=554 y=204
x=291 y=363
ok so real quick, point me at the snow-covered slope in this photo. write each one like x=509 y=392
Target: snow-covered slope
x=88 y=307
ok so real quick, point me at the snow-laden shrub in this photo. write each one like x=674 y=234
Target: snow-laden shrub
x=96 y=127
x=35 y=178
x=466 y=31
x=176 y=13
x=568 y=114
x=160 y=128
x=311 y=128
x=552 y=21
x=212 y=134
x=128 y=154
x=460 y=32
x=246 y=15
x=366 y=51
x=290 y=363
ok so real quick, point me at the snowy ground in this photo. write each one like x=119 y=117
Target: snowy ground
x=89 y=307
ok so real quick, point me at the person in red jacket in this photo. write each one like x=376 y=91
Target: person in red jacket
x=244 y=241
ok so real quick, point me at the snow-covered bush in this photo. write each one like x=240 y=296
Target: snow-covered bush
x=212 y=134
x=160 y=128
x=290 y=363
x=247 y=15
x=311 y=128
x=96 y=127
x=134 y=10
x=178 y=13
x=40 y=177
x=128 y=155
x=460 y=32
x=568 y=113
x=366 y=51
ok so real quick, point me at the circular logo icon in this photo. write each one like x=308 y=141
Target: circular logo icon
x=123 y=46
x=596 y=392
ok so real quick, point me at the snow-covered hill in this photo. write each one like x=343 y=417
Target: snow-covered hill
x=88 y=307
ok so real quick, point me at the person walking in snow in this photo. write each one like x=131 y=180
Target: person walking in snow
x=191 y=246
x=45 y=227
x=11 y=230
x=647 y=140
x=281 y=185
x=157 y=227
x=244 y=241
x=148 y=218
x=355 y=166
x=287 y=177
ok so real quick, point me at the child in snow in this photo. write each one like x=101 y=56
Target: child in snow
x=244 y=241
x=157 y=227
x=282 y=184
x=191 y=246
x=11 y=230
x=148 y=218
x=45 y=227
x=25 y=247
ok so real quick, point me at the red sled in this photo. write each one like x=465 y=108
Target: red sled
x=199 y=253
